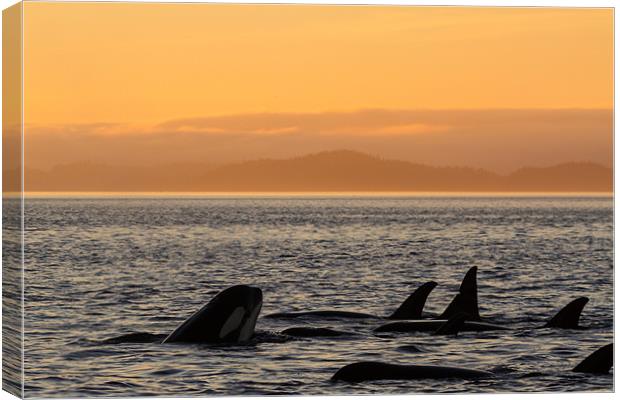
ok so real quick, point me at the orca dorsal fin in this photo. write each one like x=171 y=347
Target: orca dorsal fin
x=568 y=317
x=599 y=362
x=412 y=307
x=466 y=301
x=453 y=325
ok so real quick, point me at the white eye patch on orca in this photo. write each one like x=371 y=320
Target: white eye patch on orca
x=233 y=322
x=248 y=327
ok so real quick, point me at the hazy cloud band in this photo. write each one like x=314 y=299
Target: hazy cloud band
x=498 y=140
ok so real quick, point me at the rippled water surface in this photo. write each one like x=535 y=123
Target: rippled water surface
x=99 y=268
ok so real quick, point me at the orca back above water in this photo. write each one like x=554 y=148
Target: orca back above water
x=599 y=362
x=307 y=332
x=452 y=326
x=433 y=325
x=372 y=371
x=411 y=308
x=322 y=314
x=230 y=317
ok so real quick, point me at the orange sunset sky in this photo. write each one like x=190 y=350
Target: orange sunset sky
x=152 y=84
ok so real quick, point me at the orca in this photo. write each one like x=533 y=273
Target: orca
x=411 y=308
x=566 y=318
x=372 y=371
x=230 y=317
x=436 y=325
x=599 y=362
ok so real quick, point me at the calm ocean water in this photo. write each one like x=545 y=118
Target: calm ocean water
x=99 y=268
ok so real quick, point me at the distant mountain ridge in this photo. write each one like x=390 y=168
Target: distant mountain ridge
x=330 y=171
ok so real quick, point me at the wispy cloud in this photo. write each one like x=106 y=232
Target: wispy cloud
x=364 y=122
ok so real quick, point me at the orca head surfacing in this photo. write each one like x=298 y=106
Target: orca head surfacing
x=599 y=362
x=230 y=317
x=466 y=301
x=412 y=307
x=568 y=317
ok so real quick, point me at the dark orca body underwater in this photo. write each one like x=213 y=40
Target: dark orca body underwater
x=599 y=362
